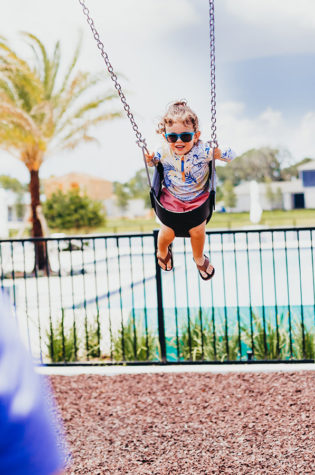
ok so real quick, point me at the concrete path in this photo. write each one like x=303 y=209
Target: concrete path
x=192 y=368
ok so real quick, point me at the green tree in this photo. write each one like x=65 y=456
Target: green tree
x=275 y=198
x=255 y=164
x=270 y=195
x=229 y=196
x=278 y=198
x=72 y=210
x=9 y=183
x=43 y=112
x=139 y=188
x=219 y=193
x=19 y=205
x=121 y=190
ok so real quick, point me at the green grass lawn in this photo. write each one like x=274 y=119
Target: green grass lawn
x=299 y=218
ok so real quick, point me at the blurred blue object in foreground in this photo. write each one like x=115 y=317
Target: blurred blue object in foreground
x=28 y=436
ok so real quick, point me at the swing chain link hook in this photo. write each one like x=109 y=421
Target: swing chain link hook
x=141 y=142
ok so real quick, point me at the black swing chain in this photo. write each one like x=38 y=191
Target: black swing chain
x=214 y=140
x=141 y=142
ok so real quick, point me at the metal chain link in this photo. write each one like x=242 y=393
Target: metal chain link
x=214 y=140
x=212 y=75
x=141 y=142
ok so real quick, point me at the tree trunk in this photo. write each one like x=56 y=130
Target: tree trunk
x=41 y=260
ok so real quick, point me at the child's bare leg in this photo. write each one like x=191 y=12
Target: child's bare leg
x=165 y=237
x=197 y=239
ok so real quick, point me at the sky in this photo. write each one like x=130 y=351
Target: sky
x=265 y=72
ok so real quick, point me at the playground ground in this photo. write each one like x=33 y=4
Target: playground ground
x=189 y=423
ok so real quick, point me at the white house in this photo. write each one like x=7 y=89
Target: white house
x=297 y=193
x=4 y=225
x=8 y=213
x=307 y=177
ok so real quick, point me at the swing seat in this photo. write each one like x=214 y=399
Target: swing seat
x=180 y=222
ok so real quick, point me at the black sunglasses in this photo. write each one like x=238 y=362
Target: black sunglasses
x=184 y=136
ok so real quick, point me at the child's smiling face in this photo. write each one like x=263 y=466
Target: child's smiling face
x=180 y=147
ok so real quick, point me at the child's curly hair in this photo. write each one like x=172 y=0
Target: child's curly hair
x=178 y=111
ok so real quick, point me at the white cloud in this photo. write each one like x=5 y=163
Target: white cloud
x=256 y=28
x=305 y=133
x=274 y=14
x=57 y=18
x=144 y=17
x=269 y=128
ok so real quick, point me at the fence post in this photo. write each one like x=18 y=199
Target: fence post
x=159 y=294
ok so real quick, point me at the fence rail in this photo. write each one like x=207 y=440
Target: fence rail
x=104 y=299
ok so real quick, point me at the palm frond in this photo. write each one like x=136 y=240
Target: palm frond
x=12 y=139
x=81 y=83
x=18 y=142
x=43 y=115
x=11 y=114
x=7 y=93
x=70 y=69
x=12 y=55
x=82 y=129
x=46 y=64
x=82 y=111
x=72 y=144
x=23 y=81
x=55 y=69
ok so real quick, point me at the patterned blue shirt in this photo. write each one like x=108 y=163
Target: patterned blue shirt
x=186 y=177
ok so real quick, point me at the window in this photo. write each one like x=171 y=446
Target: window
x=10 y=213
x=308 y=177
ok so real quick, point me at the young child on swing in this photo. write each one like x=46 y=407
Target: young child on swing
x=185 y=159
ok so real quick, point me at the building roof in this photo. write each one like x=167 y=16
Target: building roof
x=307 y=166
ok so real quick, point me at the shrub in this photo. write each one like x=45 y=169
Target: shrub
x=309 y=342
x=61 y=343
x=72 y=210
x=131 y=344
x=197 y=343
x=274 y=349
x=92 y=339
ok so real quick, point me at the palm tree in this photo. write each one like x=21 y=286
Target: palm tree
x=42 y=113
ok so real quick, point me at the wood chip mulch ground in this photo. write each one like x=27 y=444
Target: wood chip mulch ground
x=253 y=423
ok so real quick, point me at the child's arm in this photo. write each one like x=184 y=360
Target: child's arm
x=226 y=156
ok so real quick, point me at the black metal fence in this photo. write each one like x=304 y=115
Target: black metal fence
x=104 y=299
